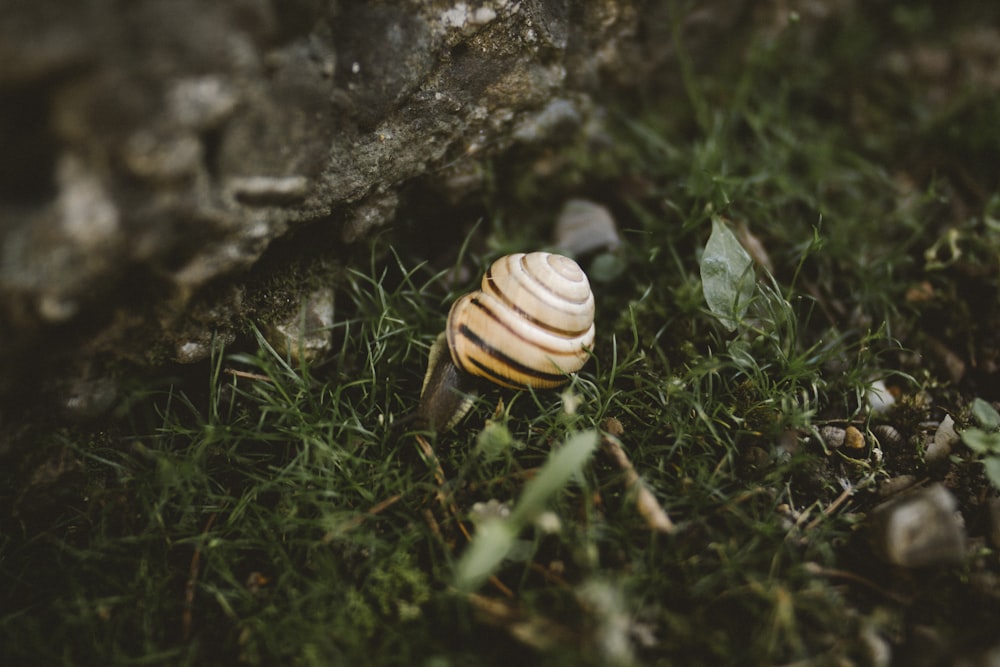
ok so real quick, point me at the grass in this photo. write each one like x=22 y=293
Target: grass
x=266 y=511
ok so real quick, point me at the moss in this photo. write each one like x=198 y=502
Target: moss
x=267 y=512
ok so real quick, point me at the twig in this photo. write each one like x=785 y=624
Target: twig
x=433 y=461
x=359 y=519
x=246 y=374
x=549 y=575
x=832 y=507
x=536 y=631
x=649 y=507
x=816 y=568
x=449 y=505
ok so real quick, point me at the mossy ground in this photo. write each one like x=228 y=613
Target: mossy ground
x=266 y=512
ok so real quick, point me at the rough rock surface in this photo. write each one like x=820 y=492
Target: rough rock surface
x=152 y=151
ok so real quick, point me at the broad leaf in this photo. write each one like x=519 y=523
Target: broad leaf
x=495 y=538
x=992 y=464
x=727 y=277
x=980 y=441
x=562 y=465
x=985 y=415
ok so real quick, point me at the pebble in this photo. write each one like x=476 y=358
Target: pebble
x=583 y=227
x=853 y=438
x=879 y=398
x=833 y=436
x=877 y=648
x=945 y=438
x=894 y=485
x=305 y=334
x=919 y=529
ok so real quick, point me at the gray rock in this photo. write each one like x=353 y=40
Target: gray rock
x=919 y=529
x=890 y=487
x=945 y=438
x=151 y=153
x=305 y=334
x=879 y=398
x=833 y=436
x=583 y=227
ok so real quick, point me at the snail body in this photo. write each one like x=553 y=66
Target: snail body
x=530 y=325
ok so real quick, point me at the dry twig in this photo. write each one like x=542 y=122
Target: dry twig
x=649 y=507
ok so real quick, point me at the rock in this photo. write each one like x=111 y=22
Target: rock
x=152 y=152
x=583 y=227
x=919 y=529
x=305 y=334
x=151 y=155
x=877 y=649
x=833 y=436
x=879 y=398
x=892 y=486
x=945 y=437
x=853 y=438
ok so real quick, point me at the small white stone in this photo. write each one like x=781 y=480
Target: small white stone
x=879 y=398
x=945 y=438
x=192 y=351
x=305 y=334
x=920 y=529
x=583 y=226
x=483 y=15
x=833 y=436
x=456 y=17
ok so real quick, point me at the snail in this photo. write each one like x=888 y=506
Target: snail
x=529 y=326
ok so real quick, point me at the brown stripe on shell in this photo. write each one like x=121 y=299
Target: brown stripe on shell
x=504 y=360
x=533 y=343
x=506 y=300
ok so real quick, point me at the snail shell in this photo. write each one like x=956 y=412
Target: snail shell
x=530 y=325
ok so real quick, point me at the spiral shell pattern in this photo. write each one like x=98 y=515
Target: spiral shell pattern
x=529 y=326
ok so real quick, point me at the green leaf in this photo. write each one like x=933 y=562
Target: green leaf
x=992 y=464
x=562 y=465
x=985 y=415
x=980 y=441
x=727 y=277
x=493 y=540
